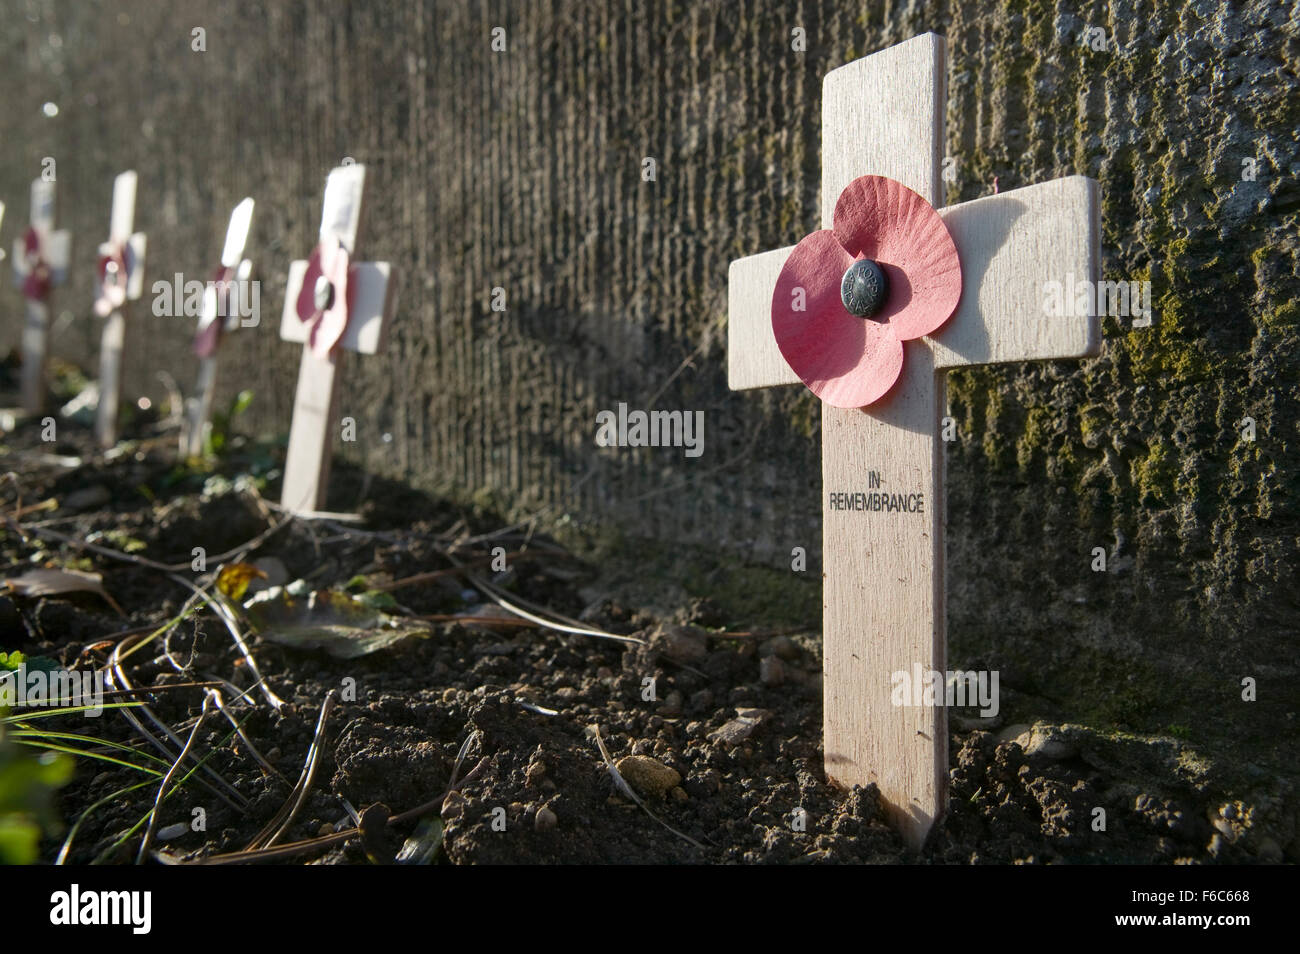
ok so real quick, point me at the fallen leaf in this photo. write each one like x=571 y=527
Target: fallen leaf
x=234 y=578
x=54 y=581
x=420 y=848
x=334 y=622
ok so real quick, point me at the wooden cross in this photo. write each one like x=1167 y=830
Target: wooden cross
x=883 y=572
x=220 y=314
x=40 y=262
x=121 y=279
x=313 y=317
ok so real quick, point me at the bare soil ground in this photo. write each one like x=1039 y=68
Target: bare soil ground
x=736 y=713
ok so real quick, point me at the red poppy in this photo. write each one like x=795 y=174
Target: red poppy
x=323 y=299
x=853 y=358
x=216 y=311
x=36 y=285
x=115 y=264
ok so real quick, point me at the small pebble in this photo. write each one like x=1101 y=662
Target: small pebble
x=545 y=819
x=453 y=806
x=772 y=671
x=534 y=774
x=740 y=728
x=172 y=831
x=682 y=644
x=648 y=776
x=702 y=699
x=783 y=647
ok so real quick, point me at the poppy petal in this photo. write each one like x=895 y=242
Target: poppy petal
x=306 y=307
x=216 y=311
x=36 y=286
x=112 y=280
x=883 y=220
x=845 y=360
x=334 y=319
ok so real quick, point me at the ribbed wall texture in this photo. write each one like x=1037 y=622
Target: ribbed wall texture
x=522 y=170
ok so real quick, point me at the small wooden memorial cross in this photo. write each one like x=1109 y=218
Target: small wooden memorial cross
x=883 y=566
x=223 y=300
x=121 y=279
x=40 y=262
x=332 y=303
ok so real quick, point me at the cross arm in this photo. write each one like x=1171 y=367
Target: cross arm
x=371 y=285
x=753 y=358
x=1012 y=246
x=370 y=307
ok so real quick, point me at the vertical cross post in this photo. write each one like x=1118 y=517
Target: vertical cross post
x=332 y=304
x=220 y=314
x=883 y=570
x=121 y=280
x=40 y=263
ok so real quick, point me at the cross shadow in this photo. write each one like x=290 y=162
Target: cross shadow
x=996 y=215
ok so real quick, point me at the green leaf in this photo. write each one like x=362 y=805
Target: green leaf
x=119 y=540
x=11 y=662
x=243 y=400
x=19 y=836
x=377 y=600
x=27 y=784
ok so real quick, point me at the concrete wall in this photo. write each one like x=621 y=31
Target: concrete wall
x=522 y=170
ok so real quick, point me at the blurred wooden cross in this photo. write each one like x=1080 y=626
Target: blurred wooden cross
x=121 y=279
x=223 y=302
x=883 y=572
x=331 y=304
x=40 y=263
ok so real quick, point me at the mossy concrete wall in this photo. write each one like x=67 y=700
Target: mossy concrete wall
x=522 y=170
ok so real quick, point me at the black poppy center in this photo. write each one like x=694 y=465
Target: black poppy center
x=324 y=293
x=864 y=288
